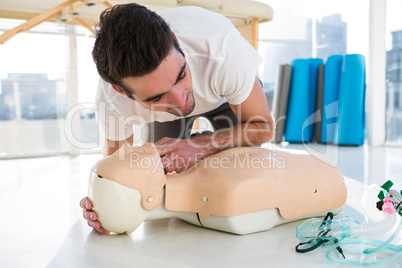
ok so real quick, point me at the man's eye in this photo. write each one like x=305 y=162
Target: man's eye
x=182 y=76
x=156 y=99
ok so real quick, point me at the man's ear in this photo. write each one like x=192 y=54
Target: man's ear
x=119 y=90
x=175 y=37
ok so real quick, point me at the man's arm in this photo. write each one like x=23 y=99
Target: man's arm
x=256 y=127
x=256 y=124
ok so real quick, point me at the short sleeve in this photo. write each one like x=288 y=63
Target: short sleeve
x=235 y=76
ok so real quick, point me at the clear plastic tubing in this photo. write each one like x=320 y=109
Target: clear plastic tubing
x=374 y=228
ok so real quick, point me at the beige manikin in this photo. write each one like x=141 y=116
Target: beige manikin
x=240 y=190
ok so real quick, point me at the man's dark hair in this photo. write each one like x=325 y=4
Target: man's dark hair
x=131 y=41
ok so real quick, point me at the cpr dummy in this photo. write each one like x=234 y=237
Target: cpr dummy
x=240 y=190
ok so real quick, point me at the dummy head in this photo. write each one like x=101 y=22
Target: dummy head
x=126 y=186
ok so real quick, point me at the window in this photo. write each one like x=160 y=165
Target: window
x=311 y=28
x=394 y=72
x=33 y=94
x=88 y=77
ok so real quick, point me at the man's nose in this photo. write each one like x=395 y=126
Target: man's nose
x=178 y=96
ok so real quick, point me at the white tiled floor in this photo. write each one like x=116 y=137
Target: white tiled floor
x=41 y=224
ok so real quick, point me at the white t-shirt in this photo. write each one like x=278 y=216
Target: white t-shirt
x=223 y=66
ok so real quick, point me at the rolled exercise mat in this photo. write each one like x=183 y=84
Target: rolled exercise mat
x=352 y=88
x=301 y=101
x=332 y=77
x=310 y=124
x=319 y=101
x=280 y=100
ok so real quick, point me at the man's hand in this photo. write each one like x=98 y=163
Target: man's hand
x=90 y=215
x=180 y=154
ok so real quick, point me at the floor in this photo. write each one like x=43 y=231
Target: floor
x=41 y=224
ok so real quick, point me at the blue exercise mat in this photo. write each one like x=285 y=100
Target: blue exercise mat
x=302 y=100
x=332 y=77
x=351 y=118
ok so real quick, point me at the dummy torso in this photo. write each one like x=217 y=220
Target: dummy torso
x=240 y=190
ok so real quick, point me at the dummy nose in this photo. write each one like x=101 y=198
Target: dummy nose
x=178 y=97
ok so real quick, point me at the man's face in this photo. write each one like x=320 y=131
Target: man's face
x=167 y=89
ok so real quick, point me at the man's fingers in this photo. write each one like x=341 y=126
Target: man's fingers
x=178 y=164
x=96 y=225
x=165 y=160
x=184 y=166
x=82 y=204
x=181 y=169
x=90 y=215
x=169 y=159
x=85 y=203
x=163 y=150
x=171 y=166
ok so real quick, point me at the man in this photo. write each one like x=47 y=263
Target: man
x=168 y=76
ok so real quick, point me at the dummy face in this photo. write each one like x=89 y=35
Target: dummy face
x=167 y=89
x=125 y=186
x=119 y=207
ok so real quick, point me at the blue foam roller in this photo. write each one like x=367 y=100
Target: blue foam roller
x=298 y=100
x=351 y=121
x=301 y=102
x=332 y=76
